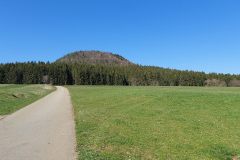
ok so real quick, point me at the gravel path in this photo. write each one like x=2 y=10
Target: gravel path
x=43 y=130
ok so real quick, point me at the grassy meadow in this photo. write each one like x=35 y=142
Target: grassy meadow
x=174 y=123
x=14 y=97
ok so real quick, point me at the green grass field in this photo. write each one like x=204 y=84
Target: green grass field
x=172 y=123
x=14 y=97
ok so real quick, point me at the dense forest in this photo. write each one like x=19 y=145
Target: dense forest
x=103 y=68
x=101 y=74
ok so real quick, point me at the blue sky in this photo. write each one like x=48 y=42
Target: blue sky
x=201 y=35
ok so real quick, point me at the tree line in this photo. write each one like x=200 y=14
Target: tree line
x=88 y=74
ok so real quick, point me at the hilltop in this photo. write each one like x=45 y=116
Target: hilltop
x=95 y=57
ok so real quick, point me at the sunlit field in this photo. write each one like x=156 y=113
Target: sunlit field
x=156 y=122
x=14 y=97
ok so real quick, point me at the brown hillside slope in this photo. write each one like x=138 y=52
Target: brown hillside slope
x=94 y=57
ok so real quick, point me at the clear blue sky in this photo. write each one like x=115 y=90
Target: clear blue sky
x=202 y=35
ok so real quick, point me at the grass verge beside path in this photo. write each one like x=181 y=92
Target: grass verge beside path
x=156 y=122
x=14 y=97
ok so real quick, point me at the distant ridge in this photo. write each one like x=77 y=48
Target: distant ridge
x=95 y=57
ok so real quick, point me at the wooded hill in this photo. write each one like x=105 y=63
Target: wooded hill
x=101 y=68
x=95 y=57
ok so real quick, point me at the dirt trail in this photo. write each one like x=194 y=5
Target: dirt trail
x=43 y=130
